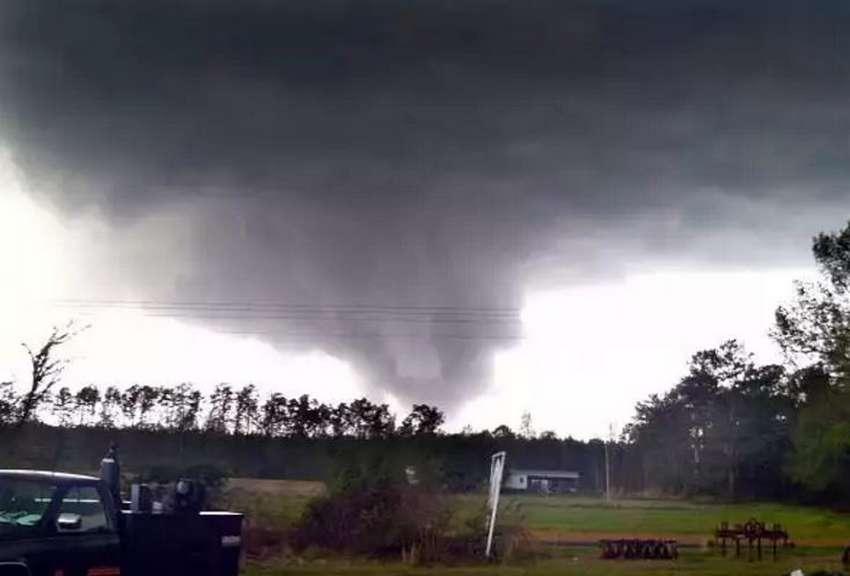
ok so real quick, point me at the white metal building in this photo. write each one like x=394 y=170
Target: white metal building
x=543 y=481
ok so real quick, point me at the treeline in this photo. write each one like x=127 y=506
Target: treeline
x=728 y=428
x=241 y=434
x=235 y=431
x=461 y=461
x=227 y=410
x=733 y=428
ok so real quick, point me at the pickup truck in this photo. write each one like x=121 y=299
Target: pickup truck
x=58 y=524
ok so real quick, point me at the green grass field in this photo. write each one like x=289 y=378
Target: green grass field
x=688 y=521
x=573 y=562
x=558 y=523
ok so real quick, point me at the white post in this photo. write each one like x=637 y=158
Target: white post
x=608 y=463
x=497 y=467
x=607 y=476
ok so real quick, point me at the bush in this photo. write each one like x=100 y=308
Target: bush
x=379 y=521
x=374 y=510
x=512 y=540
x=260 y=542
x=382 y=506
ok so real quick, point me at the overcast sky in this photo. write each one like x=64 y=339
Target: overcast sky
x=492 y=206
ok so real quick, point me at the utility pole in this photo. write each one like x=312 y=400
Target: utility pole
x=607 y=476
x=608 y=464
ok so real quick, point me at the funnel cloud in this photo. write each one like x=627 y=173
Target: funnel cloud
x=388 y=180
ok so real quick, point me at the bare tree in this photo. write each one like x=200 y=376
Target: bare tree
x=148 y=397
x=46 y=371
x=63 y=406
x=275 y=415
x=86 y=400
x=8 y=403
x=424 y=420
x=525 y=428
x=221 y=409
x=246 y=415
x=130 y=403
x=110 y=404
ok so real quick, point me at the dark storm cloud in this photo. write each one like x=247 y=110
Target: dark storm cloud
x=424 y=153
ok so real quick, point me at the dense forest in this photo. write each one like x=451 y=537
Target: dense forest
x=729 y=428
x=733 y=428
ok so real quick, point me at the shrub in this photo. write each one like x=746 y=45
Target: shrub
x=511 y=538
x=372 y=509
x=380 y=520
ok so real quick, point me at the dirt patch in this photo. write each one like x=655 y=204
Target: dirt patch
x=555 y=537
x=821 y=543
x=277 y=487
x=567 y=538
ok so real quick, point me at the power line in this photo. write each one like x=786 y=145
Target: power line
x=312 y=322
x=312 y=337
x=282 y=305
x=301 y=319
x=189 y=192
x=301 y=313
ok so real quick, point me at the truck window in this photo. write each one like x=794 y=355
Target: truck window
x=22 y=505
x=85 y=502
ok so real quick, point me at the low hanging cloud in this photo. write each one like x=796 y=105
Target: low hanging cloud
x=407 y=171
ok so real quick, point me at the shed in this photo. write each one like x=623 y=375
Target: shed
x=542 y=481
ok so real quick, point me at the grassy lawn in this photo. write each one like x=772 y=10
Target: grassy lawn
x=689 y=521
x=819 y=534
x=270 y=503
x=577 y=561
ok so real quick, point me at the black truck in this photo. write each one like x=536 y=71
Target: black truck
x=56 y=524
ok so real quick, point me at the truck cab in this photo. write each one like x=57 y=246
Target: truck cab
x=57 y=524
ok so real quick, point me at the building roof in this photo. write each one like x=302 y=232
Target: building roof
x=566 y=474
x=45 y=476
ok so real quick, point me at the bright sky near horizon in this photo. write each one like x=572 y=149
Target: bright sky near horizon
x=494 y=207
x=586 y=355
